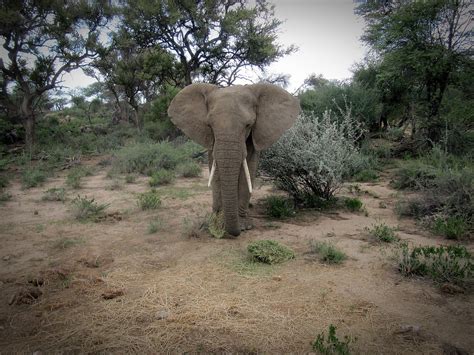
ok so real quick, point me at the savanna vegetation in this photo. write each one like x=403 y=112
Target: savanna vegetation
x=397 y=135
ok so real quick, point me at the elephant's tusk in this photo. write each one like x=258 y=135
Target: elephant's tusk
x=247 y=175
x=211 y=175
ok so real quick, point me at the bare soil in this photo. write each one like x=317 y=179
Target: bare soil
x=111 y=286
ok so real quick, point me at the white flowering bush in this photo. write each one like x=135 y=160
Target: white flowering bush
x=311 y=160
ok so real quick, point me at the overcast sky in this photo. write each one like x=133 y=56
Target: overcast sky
x=326 y=32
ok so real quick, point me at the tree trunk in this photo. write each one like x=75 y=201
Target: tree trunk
x=28 y=119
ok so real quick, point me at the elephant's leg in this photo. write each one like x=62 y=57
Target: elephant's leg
x=244 y=194
x=216 y=187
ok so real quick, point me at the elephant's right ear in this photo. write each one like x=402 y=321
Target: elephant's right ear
x=188 y=111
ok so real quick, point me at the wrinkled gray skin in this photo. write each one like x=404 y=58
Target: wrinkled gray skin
x=233 y=123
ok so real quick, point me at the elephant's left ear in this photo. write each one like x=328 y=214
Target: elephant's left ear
x=276 y=112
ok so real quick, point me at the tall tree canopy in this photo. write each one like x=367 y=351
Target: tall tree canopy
x=43 y=40
x=212 y=40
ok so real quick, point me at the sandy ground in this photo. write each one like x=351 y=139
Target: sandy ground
x=69 y=286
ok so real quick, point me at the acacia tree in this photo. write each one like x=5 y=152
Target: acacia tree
x=421 y=43
x=42 y=41
x=212 y=40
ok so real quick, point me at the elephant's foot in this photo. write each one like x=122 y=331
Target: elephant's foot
x=245 y=223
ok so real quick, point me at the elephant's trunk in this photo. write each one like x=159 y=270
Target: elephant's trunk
x=229 y=158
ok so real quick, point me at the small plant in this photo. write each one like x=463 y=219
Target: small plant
x=189 y=169
x=73 y=178
x=149 y=200
x=85 y=209
x=332 y=345
x=327 y=252
x=383 y=233
x=55 y=194
x=215 y=225
x=65 y=243
x=279 y=207
x=366 y=175
x=451 y=227
x=3 y=181
x=353 y=204
x=161 y=177
x=130 y=178
x=5 y=196
x=115 y=185
x=193 y=227
x=155 y=226
x=33 y=177
x=453 y=264
x=269 y=252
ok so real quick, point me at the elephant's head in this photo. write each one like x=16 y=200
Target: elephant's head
x=223 y=119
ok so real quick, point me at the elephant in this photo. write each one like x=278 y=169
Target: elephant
x=235 y=124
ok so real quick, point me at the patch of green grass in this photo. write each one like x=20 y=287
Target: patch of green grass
x=161 y=177
x=366 y=175
x=65 y=243
x=327 y=252
x=189 y=169
x=269 y=252
x=383 y=233
x=87 y=209
x=353 y=204
x=452 y=264
x=130 y=178
x=55 y=194
x=451 y=227
x=154 y=226
x=215 y=225
x=332 y=345
x=279 y=207
x=149 y=200
x=33 y=177
x=75 y=175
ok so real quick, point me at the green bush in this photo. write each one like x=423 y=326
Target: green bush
x=327 y=252
x=332 y=345
x=75 y=175
x=161 y=177
x=54 y=194
x=269 y=252
x=383 y=233
x=189 y=169
x=33 y=177
x=453 y=264
x=86 y=209
x=353 y=204
x=149 y=200
x=278 y=207
x=450 y=227
x=366 y=175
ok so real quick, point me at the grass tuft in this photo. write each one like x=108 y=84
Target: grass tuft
x=383 y=233
x=149 y=200
x=327 y=252
x=332 y=345
x=269 y=252
x=55 y=194
x=161 y=177
x=87 y=209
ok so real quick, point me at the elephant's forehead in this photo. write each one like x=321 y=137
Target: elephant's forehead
x=237 y=93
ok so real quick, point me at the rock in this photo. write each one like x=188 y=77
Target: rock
x=35 y=213
x=162 y=314
x=276 y=278
x=36 y=281
x=409 y=329
x=111 y=294
x=6 y=257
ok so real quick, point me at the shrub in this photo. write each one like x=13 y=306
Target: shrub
x=450 y=227
x=189 y=169
x=395 y=134
x=366 y=175
x=55 y=194
x=161 y=177
x=33 y=177
x=332 y=345
x=269 y=252
x=453 y=264
x=327 y=252
x=216 y=225
x=130 y=178
x=85 y=208
x=314 y=156
x=383 y=233
x=353 y=204
x=193 y=227
x=3 y=181
x=279 y=207
x=149 y=200
x=73 y=178
x=155 y=226
x=5 y=196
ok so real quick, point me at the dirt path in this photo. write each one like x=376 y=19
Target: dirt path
x=170 y=293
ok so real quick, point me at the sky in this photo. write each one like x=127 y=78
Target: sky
x=326 y=32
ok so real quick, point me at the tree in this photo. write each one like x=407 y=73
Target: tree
x=421 y=44
x=43 y=40
x=212 y=40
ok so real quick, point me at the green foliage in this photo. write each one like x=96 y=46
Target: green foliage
x=216 y=225
x=130 y=178
x=73 y=178
x=453 y=264
x=327 y=252
x=451 y=227
x=332 y=345
x=366 y=175
x=33 y=177
x=279 y=207
x=353 y=204
x=161 y=177
x=155 y=226
x=87 y=209
x=5 y=196
x=149 y=200
x=189 y=169
x=54 y=194
x=383 y=233
x=145 y=158
x=269 y=252
x=4 y=181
